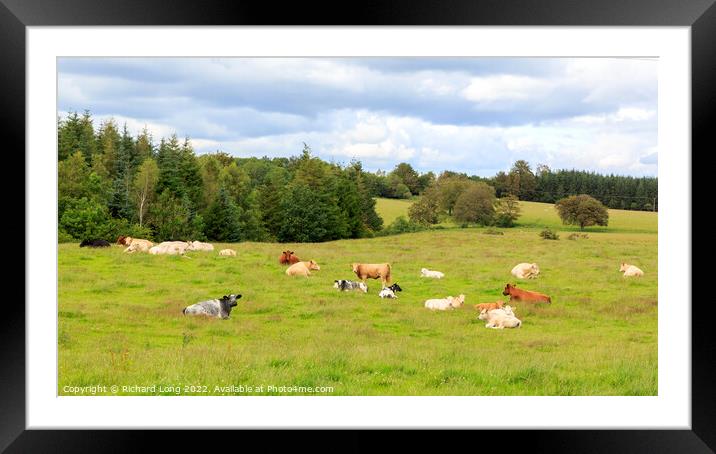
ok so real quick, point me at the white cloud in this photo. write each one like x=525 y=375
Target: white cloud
x=505 y=87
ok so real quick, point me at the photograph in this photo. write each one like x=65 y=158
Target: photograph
x=357 y=226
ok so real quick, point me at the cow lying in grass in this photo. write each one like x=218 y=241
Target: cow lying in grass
x=489 y=306
x=424 y=272
x=94 y=243
x=390 y=292
x=220 y=308
x=450 y=302
x=525 y=270
x=227 y=252
x=500 y=318
x=134 y=244
x=199 y=246
x=287 y=258
x=169 y=248
x=373 y=271
x=302 y=268
x=343 y=285
x=517 y=294
x=630 y=270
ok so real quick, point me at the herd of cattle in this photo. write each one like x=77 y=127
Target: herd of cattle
x=498 y=315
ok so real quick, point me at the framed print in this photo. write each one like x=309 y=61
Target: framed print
x=440 y=172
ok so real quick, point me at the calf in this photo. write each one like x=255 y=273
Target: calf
x=489 y=306
x=220 y=308
x=302 y=268
x=517 y=294
x=434 y=274
x=446 y=303
x=373 y=271
x=390 y=292
x=630 y=270
x=343 y=285
x=500 y=318
x=94 y=243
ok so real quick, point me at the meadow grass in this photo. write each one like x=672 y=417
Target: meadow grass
x=390 y=209
x=120 y=319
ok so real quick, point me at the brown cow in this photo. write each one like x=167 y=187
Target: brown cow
x=517 y=294
x=372 y=271
x=121 y=240
x=287 y=258
x=489 y=306
x=302 y=268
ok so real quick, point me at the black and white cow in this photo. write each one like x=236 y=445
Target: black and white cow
x=389 y=292
x=343 y=285
x=220 y=308
x=94 y=243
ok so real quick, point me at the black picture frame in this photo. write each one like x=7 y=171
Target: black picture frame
x=16 y=15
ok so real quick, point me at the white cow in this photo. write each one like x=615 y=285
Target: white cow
x=525 y=270
x=424 y=272
x=228 y=252
x=199 y=246
x=500 y=318
x=443 y=304
x=170 y=248
x=630 y=270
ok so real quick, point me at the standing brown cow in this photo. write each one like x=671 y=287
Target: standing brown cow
x=517 y=294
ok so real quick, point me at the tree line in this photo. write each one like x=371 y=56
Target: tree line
x=111 y=183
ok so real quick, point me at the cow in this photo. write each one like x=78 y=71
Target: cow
x=500 y=318
x=373 y=271
x=228 y=252
x=390 y=292
x=630 y=270
x=94 y=243
x=287 y=258
x=135 y=244
x=169 y=248
x=199 y=246
x=525 y=271
x=220 y=308
x=424 y=272
x=489 y=306
x=302 y=268
x=343 y=285
x=446 y=303
x=517 y=294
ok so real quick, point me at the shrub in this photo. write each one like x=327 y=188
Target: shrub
x=64 y=237
x=549 y=234
x=401 y=225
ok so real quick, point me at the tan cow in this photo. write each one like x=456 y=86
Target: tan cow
x=373 y=271
x=302 y=268
x=228 y=252
x=630 y=270
x=199 y=246
x=489 y=306
x=135 y=244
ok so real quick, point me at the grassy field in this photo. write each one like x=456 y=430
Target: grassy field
x=120 y=320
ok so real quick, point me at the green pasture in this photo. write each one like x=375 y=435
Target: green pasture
x=120 y=320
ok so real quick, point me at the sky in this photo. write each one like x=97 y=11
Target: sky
x=472 y=115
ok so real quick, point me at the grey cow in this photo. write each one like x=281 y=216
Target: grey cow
x=220 y=308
